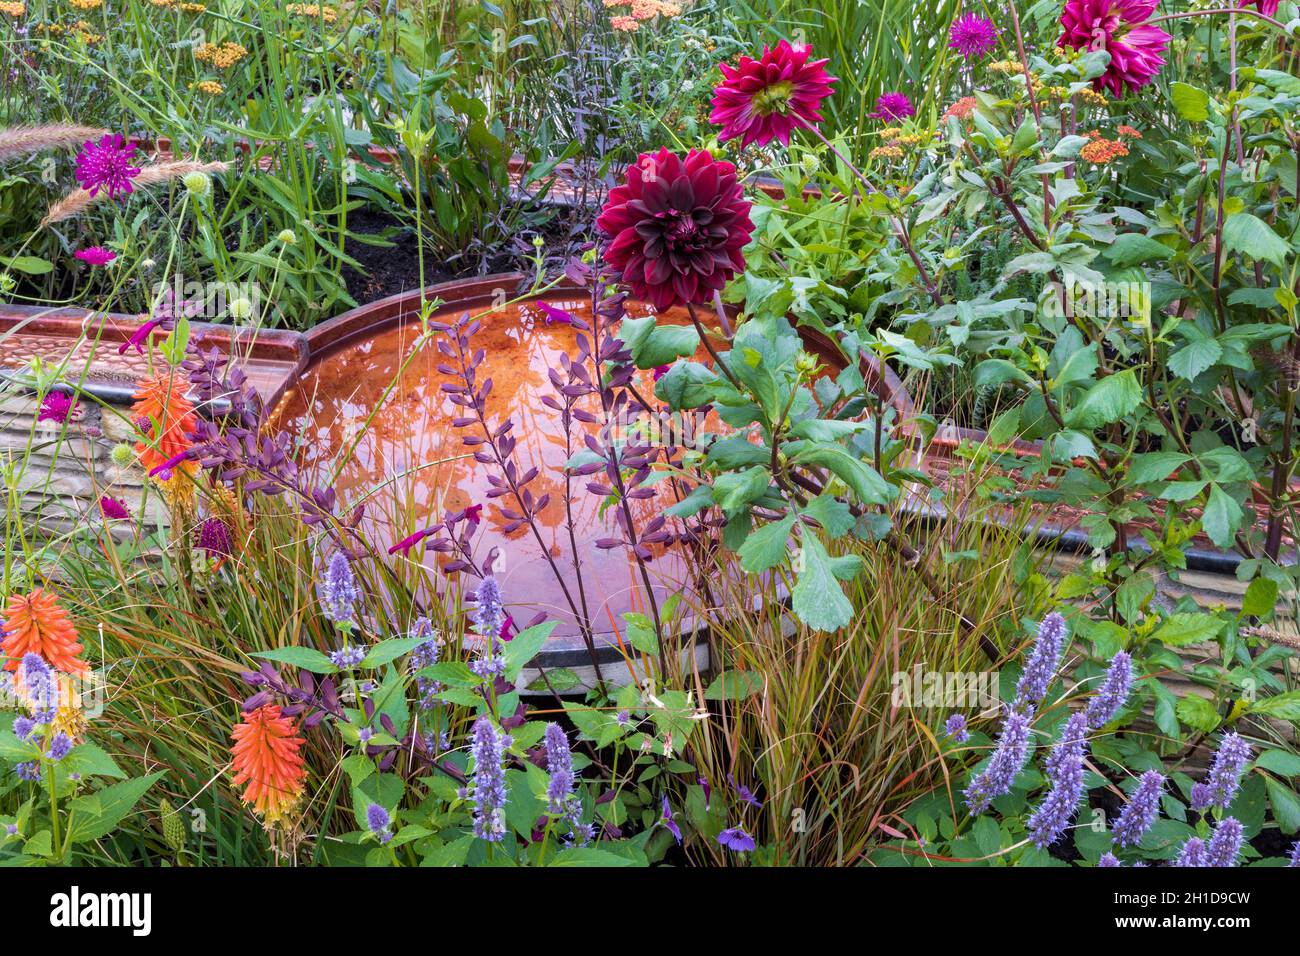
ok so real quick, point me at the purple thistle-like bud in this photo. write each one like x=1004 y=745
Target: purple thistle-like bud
x=1192 y=853
x=489 y=781
x=1009 y=756
x=1065 y=770
x=955 y=728
x=1220 y=786
x=1225 y=843
x=489 y=613
x=1141 y=810
x=1043 y=661
x=1108 y=859
x=1113 y=692
x=559 y=762
x=378 y=821
x=60 y=746
x=338 y=590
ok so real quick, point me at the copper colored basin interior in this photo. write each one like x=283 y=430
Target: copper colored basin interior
x=414 y=462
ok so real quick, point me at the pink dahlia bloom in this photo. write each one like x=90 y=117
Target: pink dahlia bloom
x=113 y=509
x=96 y=255
x=765 y=99
x=892 y=107
x=972 y=35
x=1119 y=27
x=107 y=165
x=676 y=227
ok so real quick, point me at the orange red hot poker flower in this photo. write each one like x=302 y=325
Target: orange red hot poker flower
x=268 y=759
x=166 y=416
x=36 y=624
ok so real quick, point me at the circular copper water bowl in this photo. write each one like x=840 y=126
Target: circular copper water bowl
x=412 y=458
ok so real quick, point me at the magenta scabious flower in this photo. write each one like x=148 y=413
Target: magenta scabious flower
x=766 y=99
x=1220 y=786
x=1113 y=691
x=972 y=35
x=1141 y=810
x=107 y=165
x=1119 y=27
x=1009 y=756
x=1225 y=843
x=56 y=407
x=1065 y=771
x=96 y=255
x=736 y=840
x=1044 y=659
x=676 y=227
x=893 y=107
x=113 y=509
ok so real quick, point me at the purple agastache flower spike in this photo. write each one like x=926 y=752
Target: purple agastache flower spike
x=24 y=727
x=736 y=840
x=1108 y=859
x=60 y=746
x=1220 y=786
x=1192 y=854
x=955 y=728
x=1295 y=855
x=668 y=821
x=214 y=538
x=378 y=821
x=1225 y=843
x=1065 y=770
x=489 y=614
x=338 y=590
x=348 y=657
x=1044 y=659
x=39 y=687
x=559 y=763
x=425 y=655
x=489 y=781
x=29 y=770
x=1009 y=756
x=1141 y=810
x=1113 y=692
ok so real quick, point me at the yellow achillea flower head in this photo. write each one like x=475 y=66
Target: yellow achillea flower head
x=13 y=9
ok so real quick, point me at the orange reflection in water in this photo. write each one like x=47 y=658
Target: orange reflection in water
x=411 y=466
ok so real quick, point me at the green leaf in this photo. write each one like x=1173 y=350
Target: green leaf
x=1188 y=628
x=1198 y=713
x=94 y=815
x=864 y=480
x=525 y=646
x=1252 y=236
x=817 y=599
x=89 y=759
x=1285 y=803
x=1108 y=401
x=1260 y=599
x=734 y=490
x=31 y=265
x=832 y=514
x=1222 y=517
x=768 y=546
x=641 y=633
x=1155 y=466
x=307 y=658
x=589 y=856
x=1281 y=762
x=390 y=650
x=1133 y=248
x=1195 y=357
x=654 y=345
x=1283 y=706
x=1190 y=103
x=734 y=685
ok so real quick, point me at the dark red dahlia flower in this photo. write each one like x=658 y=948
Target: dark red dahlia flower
x=765 y=99
x=1119 y=27
x=676 y=228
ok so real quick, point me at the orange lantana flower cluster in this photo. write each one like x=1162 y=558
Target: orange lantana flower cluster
x=1102 y=150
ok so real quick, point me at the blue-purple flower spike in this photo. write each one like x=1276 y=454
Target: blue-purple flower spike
x=1008 y=760
x=955 y=728
x=489 y=781
x=1295 y=856
x=559 y=762
x=1141 y=810
x=489 y=612
x=338 y=590
x=377 y=821
x=1192 y=853
x=1113 y=692
x=1044 y=659
x=1065 y=770
x=1108 y=859
x=1220 y=786
x=1225 y=843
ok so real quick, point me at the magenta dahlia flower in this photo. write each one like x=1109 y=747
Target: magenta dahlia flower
x=893 y=107
x=765 y=99
x=676 y=227
x=95 y=255
x=107 y=165
x=972 y=35
x=1119 y=27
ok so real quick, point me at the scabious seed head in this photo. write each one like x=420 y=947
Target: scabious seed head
x=1220 y=786
x=199 y=184
x=1141 y=810
x=1044 y=659
x=1113 y=692
x=122 y=455
x=1009 y=756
